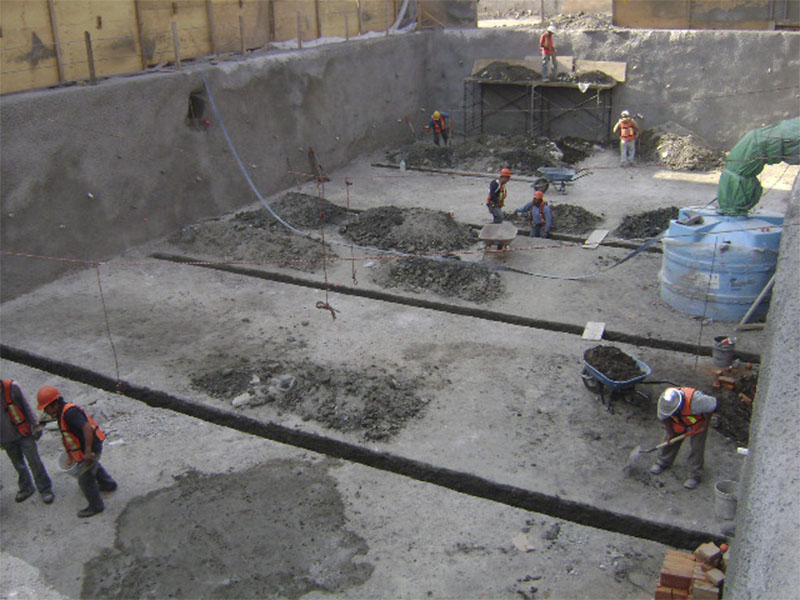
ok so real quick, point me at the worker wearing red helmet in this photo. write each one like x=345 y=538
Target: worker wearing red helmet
x=83 y=443
x=540 y=217
x=497 y=195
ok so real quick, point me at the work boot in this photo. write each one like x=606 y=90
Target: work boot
x=22 y=496
x=657 y=469
x=87 y=512
x=691 y=483
x=48 y=497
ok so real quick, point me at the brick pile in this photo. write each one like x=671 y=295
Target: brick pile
x=693 y=576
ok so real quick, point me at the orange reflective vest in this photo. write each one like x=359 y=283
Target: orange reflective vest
x=14 y=412
x=72 y=443
x=546 y=44
x=685 y=420
x=440 y=125
x=627 y=129
x=500 y=198
x=542 y=220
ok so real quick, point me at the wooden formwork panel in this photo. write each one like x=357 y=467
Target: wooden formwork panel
x=155 y=22
x=375 y=14
x=693 y=14
x=27 y=55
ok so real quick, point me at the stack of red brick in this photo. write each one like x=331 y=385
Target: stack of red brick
x=697 y=576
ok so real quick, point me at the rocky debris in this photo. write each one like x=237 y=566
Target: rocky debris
x=646 y=225
x=567 y=218
x=375 y=403
x=502 y=71
x=581 y=20
x=488 y=154
x=416 y=230
x=733 y=412
x=297 y=209
x=613 y=363
x=678 y=148
x=449 y=278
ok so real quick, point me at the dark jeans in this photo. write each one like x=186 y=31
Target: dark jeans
x=497 y=213
x=92 y=481
x=26 y=449
x=436 y=137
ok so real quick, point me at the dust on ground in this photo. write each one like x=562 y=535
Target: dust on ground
x=449 y=278
x=417 y=230
x=567 y=219
x=376 y=403
x=195 y=550
x=647 y=224
x=679 y=149
x=613 y=363
x=523 y=154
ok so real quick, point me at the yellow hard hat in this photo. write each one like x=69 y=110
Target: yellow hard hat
x=437 y=115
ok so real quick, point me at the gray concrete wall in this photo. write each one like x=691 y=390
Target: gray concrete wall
x=719 y=84
x=765 y=554
x=125 y=142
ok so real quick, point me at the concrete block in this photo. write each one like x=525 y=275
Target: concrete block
x=705 y=591
x=708 y=553
x=715 y=576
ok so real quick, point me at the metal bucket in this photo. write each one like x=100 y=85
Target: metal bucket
x=76 y=469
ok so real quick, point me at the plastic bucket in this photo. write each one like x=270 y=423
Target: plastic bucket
x=75 y=469
x=722 y=354
x=725 y=499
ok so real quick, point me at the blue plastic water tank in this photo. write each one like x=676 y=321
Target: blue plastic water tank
x=717 y=267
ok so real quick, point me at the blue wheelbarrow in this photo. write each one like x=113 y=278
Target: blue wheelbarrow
x=558 y=177
x=597 y=382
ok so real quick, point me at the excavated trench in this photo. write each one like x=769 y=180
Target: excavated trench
x=466 y=483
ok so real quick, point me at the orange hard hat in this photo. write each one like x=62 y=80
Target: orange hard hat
x=538 y=194
x=47 y=395
x=505 y=172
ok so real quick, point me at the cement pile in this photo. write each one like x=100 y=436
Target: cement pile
x=408 y=230
x=679 y=149
x=375 y=403
x=646 y=225
x=446 y=278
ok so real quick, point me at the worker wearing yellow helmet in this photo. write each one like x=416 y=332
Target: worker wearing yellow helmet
x=438 y=125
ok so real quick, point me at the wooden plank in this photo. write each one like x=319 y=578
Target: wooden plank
x=54 y=28
x=596 y=237
x=27 y=57
x=594 y=330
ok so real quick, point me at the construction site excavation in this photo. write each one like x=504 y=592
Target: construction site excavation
x=328 y=363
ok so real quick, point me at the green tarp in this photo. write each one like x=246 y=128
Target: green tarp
x=739 y=189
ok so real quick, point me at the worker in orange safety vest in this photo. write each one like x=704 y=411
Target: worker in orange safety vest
x=684 y=411
x=438 y=123
x=19 y=434
x=497 y=195
x=628 y=132
x=83 y=442
x=548 y=49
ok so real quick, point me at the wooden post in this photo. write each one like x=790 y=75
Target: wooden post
x=271 y=20
x=299 y=31
x=54 y=28
x=346 y=28
x=387 y=18
x=90 y=57
x=419 y=14
x=242 y=45
x=541 y=11
x=212 y=34
x=139 y=23
x=317 y=18
x=176 y=45
x=360 y=19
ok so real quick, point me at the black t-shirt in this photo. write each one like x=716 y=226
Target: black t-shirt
x=75 y=419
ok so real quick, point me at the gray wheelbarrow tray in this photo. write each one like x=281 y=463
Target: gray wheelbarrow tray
x=497 y=234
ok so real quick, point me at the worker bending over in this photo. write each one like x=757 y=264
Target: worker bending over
x=438 y=124
x=540 y=216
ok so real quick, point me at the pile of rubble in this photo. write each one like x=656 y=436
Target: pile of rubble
x=678 y=148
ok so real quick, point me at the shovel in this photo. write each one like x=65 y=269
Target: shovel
x=637 y=452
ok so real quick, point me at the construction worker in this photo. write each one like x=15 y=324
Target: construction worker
x=497 y=195
x=628 y=132
x=548 y=49
x=684 y=411
x=540 y=216
x=438 y=124
x=19 y=432
x=83 y=442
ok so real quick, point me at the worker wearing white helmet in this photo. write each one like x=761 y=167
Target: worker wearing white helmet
x=685 y=412
x=548 y=49
x=628 y=132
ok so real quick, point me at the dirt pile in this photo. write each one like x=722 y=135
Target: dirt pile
x=734 y=413
x=502 y=71
x=580 y=20
x=408 y=230
x=299 y=210
x=613 y=363
x=449 y=278
x=567 y=218
x=678 y=148
x=646 y=225
x=488 y=154
x=375 y=403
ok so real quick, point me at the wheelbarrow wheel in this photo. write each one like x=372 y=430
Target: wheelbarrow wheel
x=541 y=185
x=590 y=382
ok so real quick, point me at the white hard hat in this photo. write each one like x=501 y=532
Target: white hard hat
x=625 y=113
x=668 y=402
x=552 y=29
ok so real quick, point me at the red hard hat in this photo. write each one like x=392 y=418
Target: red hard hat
x=538 y=194
x=505 y=172
x=47 y=395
